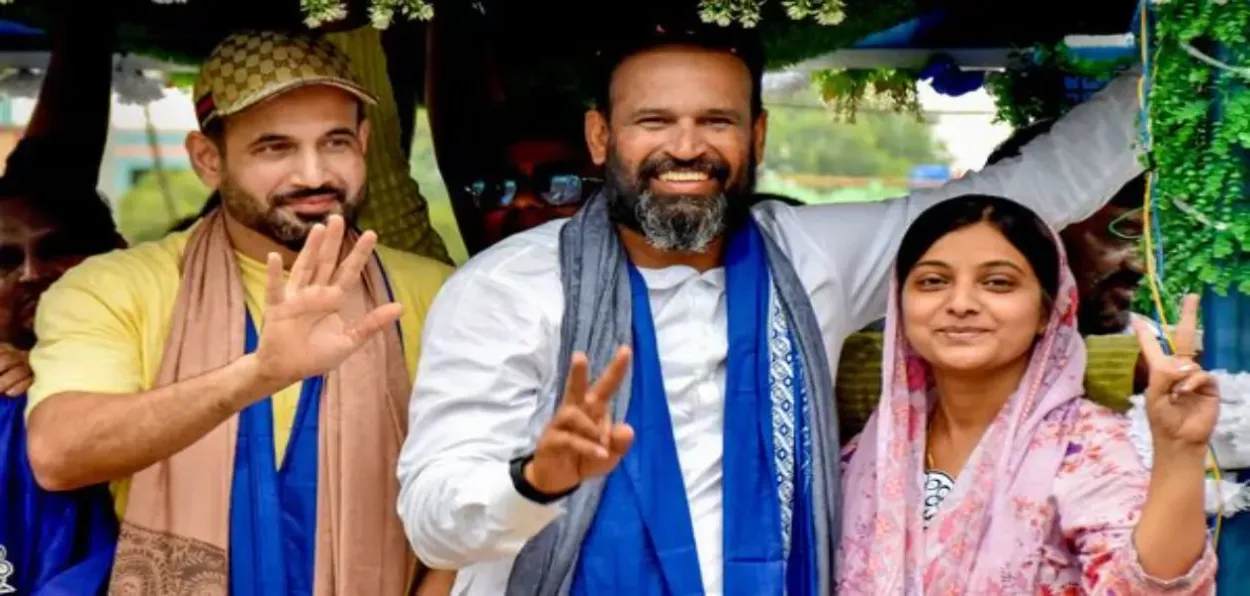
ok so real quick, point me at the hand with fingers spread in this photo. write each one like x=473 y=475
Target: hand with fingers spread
x=1182 y=400
x=15 y=374
x=581 y=441
x=305 y=331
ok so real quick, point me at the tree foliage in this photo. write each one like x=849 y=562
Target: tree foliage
x=145 y=212
x=812 y=140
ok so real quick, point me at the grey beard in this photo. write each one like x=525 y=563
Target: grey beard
x=678 y=223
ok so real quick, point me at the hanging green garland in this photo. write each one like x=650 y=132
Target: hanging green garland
x=1200 y=120
x=845 y=92
x=723 y=12
x=381 y=12
x=748 y=12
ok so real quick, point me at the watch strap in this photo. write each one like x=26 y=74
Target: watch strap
x=516 y=469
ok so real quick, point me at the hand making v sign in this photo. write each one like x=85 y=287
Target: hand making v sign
x=581 y=441
x=1182 y=400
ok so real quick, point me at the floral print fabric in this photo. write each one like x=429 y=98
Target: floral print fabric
x=1046 y=503
x=1098 y=496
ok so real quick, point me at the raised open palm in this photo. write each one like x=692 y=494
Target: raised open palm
x=305 y=331
x=1182 y=400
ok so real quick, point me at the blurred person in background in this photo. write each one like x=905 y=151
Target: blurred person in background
x=1104 y=249
x=546 y=172
x=51 y=219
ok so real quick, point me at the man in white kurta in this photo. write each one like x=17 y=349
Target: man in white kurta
x=487 y=378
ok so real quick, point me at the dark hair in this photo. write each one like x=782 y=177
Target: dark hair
x=633 y=40
x=540 y=119
x=1020 y=226
x=35 y=172
x=1129 y=195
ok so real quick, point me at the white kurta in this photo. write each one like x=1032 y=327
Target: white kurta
x=487 y=382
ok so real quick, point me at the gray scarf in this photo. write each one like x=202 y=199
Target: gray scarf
x=597 y=319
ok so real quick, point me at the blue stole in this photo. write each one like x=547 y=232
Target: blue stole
x=55 y=543
x=641 y=540
x=273 y=511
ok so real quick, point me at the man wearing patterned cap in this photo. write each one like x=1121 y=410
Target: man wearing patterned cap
x=243 y=384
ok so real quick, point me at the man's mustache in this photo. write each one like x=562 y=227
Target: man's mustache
x=286 y=198
x=654 y=166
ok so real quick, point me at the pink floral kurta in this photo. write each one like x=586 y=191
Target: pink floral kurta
x=1097 y=499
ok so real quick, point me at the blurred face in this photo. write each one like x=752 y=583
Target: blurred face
x=972 y=303
x=34 y=252
x=540 y=192
x=680 y=146
x=289 y=163
x=1106 y=260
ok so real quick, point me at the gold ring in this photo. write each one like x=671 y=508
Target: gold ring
x=1184 y=354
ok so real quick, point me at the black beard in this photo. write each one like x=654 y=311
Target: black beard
x=288 y=233
x=678 y=223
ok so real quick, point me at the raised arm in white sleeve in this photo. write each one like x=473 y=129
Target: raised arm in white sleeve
x=1065 y=176
x=478 y=389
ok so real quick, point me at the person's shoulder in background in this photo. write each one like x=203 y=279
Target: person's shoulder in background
x=858 y=384
x=414 y=281
x=1110 y=369
x=414 y=268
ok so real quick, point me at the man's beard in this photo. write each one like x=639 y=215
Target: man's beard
x=283 y=226
x=679 y=222
x=1105 y=308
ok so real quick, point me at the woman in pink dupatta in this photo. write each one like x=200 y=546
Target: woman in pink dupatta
x=984 y=471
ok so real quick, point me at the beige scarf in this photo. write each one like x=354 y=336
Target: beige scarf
x=175 y=532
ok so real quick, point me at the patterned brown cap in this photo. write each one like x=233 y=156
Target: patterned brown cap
x=249 y=67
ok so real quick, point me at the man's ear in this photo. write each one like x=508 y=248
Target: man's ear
x=206 y=158
x=596 y=124
x=362 y=132
x=759 y=133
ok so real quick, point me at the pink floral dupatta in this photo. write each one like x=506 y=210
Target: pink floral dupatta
x=986 y=537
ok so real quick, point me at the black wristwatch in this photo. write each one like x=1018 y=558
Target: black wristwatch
x=516 y=469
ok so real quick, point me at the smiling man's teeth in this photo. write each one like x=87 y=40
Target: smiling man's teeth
x=678 y=176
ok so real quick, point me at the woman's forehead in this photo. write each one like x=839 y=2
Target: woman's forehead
x=974 y=244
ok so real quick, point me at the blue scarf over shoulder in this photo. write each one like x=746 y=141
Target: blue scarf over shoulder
x=631 y=532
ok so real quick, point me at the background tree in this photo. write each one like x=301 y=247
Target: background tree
x=144 y=213
x=810 y=146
